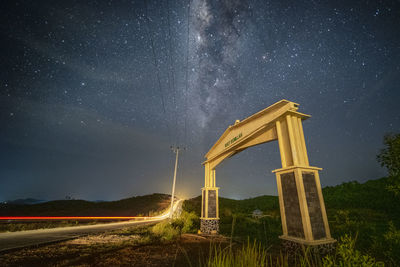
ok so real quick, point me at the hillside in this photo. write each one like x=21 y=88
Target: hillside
x=372 y=194
x=125 y=207
x=25 y=201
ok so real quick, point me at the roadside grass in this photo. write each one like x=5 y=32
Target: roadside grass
x=254 y=254
x=250 y=254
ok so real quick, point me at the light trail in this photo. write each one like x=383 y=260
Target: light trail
x=68 y=218
x=147 y=218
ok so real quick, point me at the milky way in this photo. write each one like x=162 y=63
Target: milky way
x=218 y=26
x=83 y=85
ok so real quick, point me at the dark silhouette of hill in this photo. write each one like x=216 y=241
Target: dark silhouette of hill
x=25 y=201
x=140 y=205
x=372 y=194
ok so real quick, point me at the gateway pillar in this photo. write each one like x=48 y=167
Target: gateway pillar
x=209 y=223
x=302 y=206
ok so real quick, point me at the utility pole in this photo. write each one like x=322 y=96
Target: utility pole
x=175 y=150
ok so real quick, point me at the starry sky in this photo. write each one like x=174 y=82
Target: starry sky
x=94 y=93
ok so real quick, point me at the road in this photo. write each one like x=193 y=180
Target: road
x=15 y=240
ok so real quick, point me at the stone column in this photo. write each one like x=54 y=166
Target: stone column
x=302 y=206
x=209 y=223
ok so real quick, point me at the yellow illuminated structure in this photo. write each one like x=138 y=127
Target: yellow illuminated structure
x=301 y=202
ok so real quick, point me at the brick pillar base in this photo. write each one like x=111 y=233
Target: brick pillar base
x=209 y=226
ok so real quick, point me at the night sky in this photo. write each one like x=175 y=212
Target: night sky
x=94 y=93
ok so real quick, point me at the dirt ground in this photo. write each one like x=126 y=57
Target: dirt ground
x=116 y=250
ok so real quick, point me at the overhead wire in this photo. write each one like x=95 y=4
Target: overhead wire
x=183 y=159
x=172 y=72
x=187 y=71
x=155 y=62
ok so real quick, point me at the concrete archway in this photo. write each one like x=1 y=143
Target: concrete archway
x=301 y=202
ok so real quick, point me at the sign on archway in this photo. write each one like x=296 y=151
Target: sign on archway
x=302 y=207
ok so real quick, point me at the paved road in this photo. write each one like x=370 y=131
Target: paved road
x=15 y=240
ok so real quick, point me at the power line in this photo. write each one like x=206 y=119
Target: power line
x=157 y=68
x=186 y=80
x=187 y=69
x=172 y=71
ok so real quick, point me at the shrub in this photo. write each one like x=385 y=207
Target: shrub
x=392 y=243
x=347 y=255
x=190 y=222
x=165 y=231
x=389 y=156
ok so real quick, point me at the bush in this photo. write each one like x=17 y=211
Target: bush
x=347 y=255
x=392 y=243
x=170 y=230
x=190 y=222
x=389 y=156
x=165 y=231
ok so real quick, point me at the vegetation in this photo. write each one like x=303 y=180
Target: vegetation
x=236 y=219
x=165 y=231
x=347 y=255
x=369 y=211
x=366 y=210
x=254 y=255
x=237 y=215
x=251 y=254
x=171 y=230
x=389 y=156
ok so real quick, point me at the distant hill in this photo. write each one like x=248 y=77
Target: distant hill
x=25 y=201
x=369 y=195
x=125 y=207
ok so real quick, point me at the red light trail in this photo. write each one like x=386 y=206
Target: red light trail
x=72 y=217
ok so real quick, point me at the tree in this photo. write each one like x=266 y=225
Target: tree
x=389 y=157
